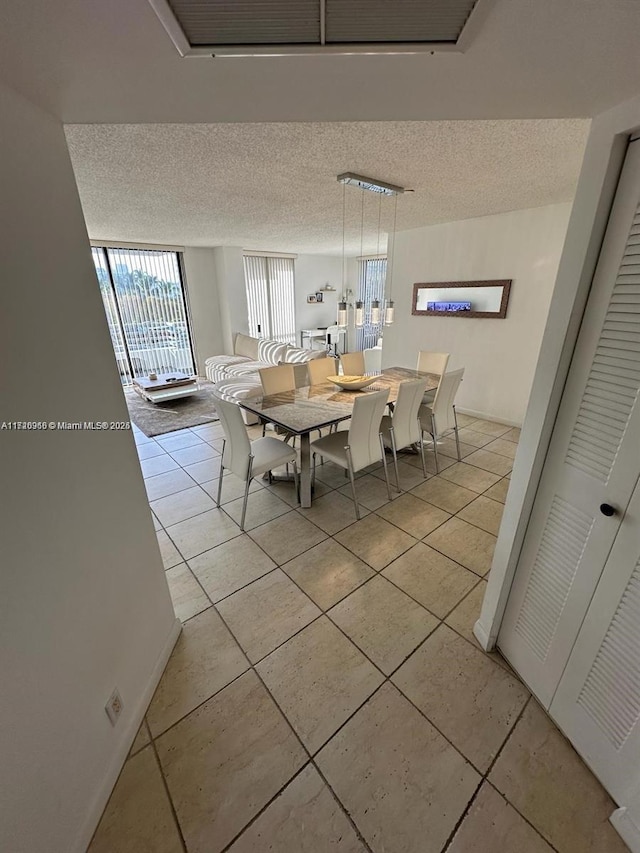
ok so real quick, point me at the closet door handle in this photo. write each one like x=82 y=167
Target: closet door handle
x=608 y=510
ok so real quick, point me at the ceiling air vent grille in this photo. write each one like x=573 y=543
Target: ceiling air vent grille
x=282 y=27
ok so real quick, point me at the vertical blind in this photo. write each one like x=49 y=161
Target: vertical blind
x=270 y=288
x=145 y=305
x=371 y=281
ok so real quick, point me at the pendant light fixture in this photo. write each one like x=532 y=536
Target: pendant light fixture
x=342 y=304
x=375 y=304
x=381 y=188
x=359 y=318
x=389 y=310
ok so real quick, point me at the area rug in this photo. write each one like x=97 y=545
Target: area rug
x=156 y=418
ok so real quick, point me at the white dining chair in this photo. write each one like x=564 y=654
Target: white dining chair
x=403 y=428
x=319 y=368
x=440 y=418
x=372 y=360
x=275 y=380
x=352 y=363
x=361 y=445
x=248 y=459
x=432 y=362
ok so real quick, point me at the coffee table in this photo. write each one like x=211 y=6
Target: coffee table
x=167 y=386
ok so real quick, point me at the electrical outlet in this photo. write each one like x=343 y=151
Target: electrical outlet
x=114 y=707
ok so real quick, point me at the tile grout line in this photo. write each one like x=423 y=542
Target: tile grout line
x=168 y=793
x=484 y=778
x=505 y=798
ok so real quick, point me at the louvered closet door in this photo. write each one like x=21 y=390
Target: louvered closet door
x=594 y=458
x=597 y=703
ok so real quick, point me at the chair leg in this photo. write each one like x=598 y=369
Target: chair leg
x=455 y=429
x=313 y=472
x=434 y=436
x=221 y=473
x=395 y=457
x=386 y=470
x=424 y=463
x=220 y=486
x=353 y=482
x=296 y=480
x=246 y=493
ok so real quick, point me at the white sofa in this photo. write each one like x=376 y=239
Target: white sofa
x=236 y=376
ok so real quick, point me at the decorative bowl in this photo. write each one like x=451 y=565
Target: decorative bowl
x=353 y=383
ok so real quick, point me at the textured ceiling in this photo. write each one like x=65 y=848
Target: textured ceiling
x=111 y=61
x=273 y=186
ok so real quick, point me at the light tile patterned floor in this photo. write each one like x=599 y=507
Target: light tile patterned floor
x=327 y=693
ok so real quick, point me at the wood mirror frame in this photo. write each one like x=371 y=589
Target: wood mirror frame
x=504 y=283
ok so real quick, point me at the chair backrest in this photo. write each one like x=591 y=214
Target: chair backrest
x=406 y=427
x=373 y=360
x=320 y=368
x=237 y=446
x=352 y=363
x=277 y=379
x=445 y=397
x=433 y=362
x=301 y=374
x=364 y=430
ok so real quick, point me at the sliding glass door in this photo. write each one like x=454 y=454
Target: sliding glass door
x=371 y=280
x=270 y=297
x=144 y=301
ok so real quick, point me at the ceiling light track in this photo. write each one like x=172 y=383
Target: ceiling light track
x=371 y=184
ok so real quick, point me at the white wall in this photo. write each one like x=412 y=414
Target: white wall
x=499 y=356
x=313 y=272
x=84 y=604
x=232 y=294
x=204 y=304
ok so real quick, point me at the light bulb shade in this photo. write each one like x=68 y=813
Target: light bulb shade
x=388 y=314
x=375 y=312
x=359 y=314
x=342 y=314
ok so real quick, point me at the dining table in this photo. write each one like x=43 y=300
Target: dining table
x=314 y=407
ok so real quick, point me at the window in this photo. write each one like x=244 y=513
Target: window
x=144 y=300
x=371 y=281
x=270 y=297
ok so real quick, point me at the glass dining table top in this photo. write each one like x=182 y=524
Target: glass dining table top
x=314 y=406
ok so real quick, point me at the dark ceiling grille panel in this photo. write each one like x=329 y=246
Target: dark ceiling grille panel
x=238 y=22
x=248 y=27
x=375 y=21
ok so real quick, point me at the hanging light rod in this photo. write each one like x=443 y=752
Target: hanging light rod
x=371 y=184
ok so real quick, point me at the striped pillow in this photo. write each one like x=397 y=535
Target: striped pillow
x=302 y=356
x=271 y=352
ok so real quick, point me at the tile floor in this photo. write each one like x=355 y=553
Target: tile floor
x=327 y=693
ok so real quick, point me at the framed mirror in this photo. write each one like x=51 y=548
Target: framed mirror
x=487 y=299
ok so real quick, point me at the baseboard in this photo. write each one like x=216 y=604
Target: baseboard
x=626 y=829
x=487 y=416
x=482 y=637
x=120 y=756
